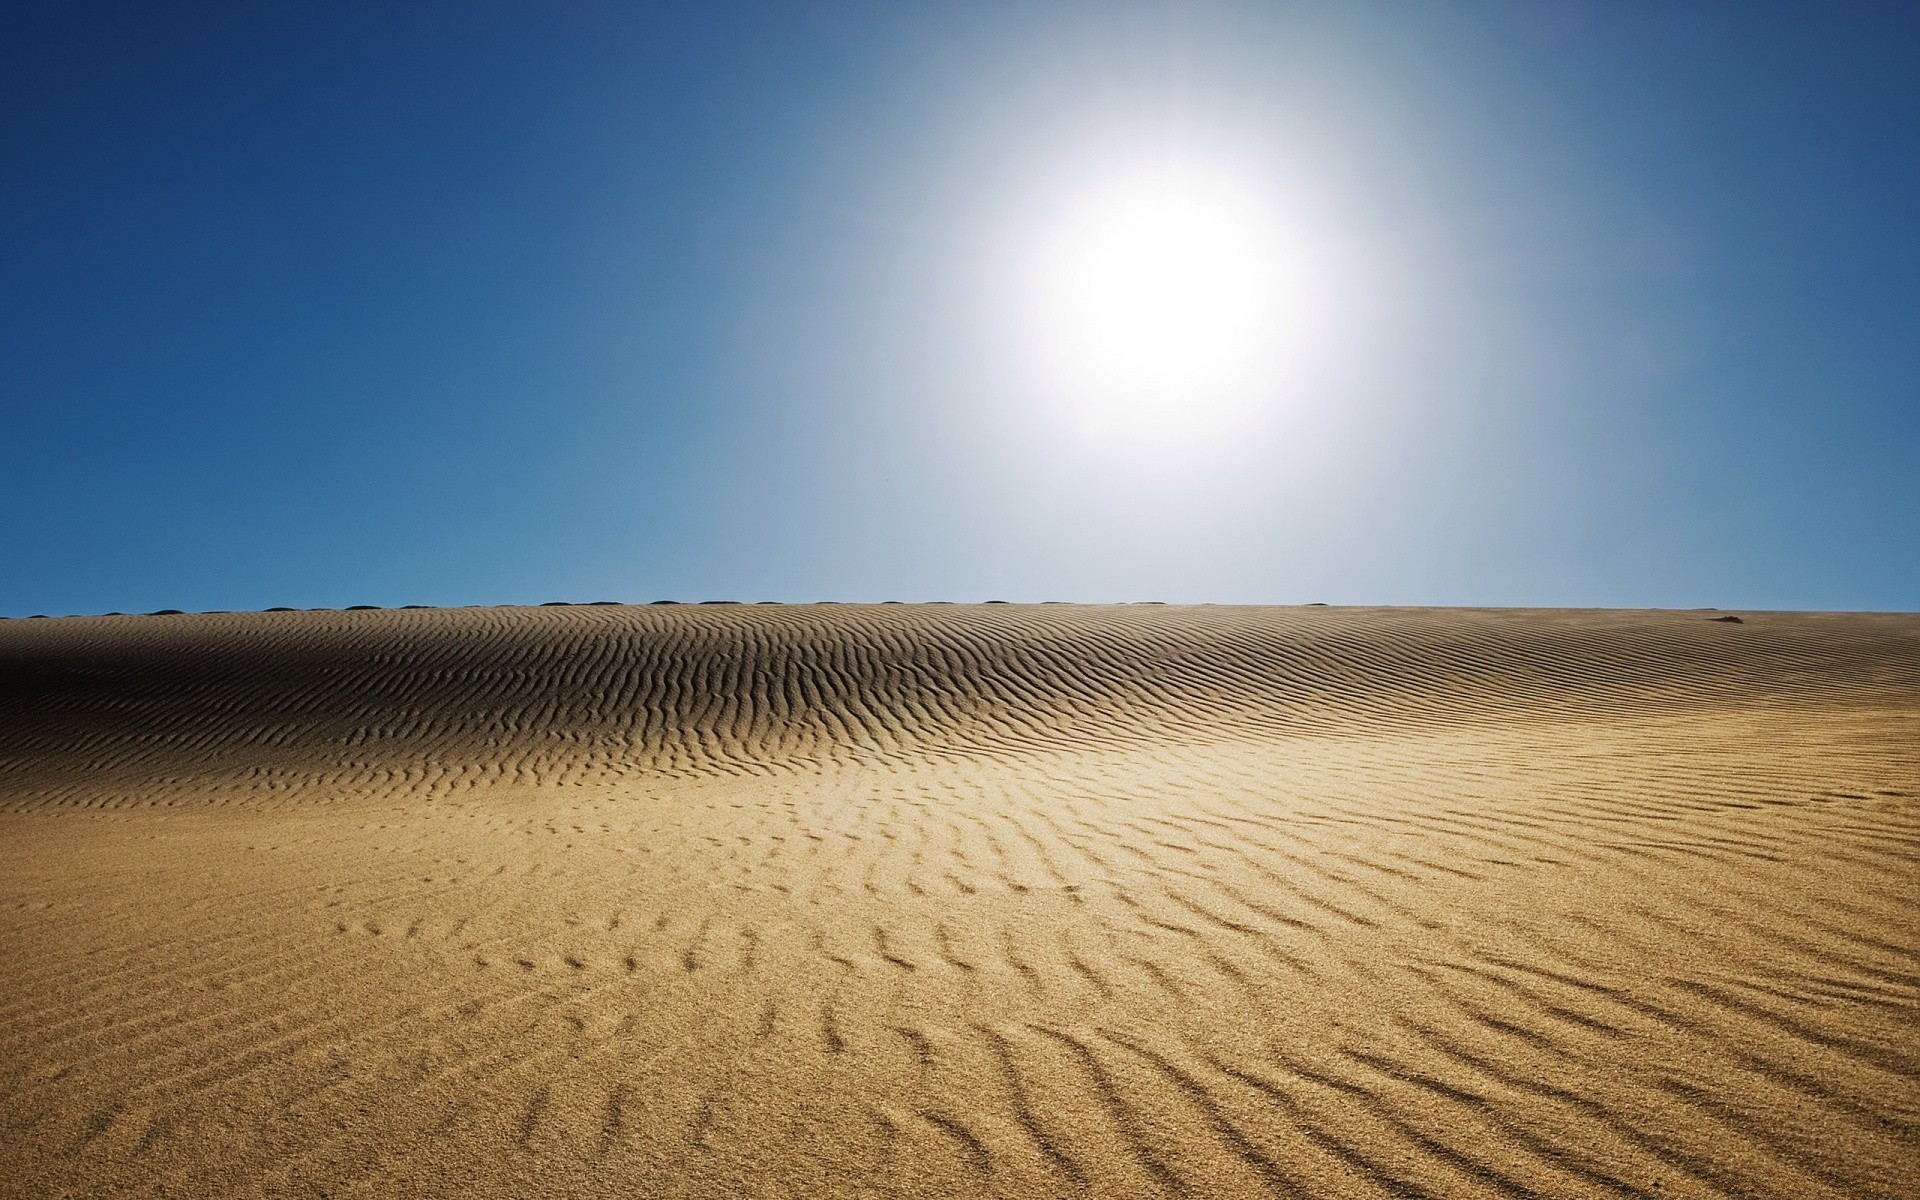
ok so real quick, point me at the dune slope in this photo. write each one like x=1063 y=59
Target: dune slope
x=960 y=900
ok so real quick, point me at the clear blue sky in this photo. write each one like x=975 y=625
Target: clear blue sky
x=323 y=304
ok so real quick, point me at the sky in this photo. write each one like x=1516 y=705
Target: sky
x=1539 y=304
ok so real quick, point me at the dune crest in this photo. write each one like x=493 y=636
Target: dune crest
x=960 y=900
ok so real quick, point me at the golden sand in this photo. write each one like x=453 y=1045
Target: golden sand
x=1023 y=901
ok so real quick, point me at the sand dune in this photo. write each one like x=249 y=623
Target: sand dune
x=1021 y=901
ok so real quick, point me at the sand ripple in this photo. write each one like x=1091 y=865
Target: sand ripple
x=956 y=900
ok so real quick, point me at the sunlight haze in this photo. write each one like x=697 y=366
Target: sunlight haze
x=1162 y=292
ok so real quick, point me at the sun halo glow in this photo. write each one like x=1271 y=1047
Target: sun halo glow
x=1160 y=294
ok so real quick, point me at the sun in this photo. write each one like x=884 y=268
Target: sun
x=1158 y=291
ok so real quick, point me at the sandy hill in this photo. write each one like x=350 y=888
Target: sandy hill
x=960 y=900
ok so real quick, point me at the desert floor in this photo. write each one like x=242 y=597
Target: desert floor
x=1024 y=901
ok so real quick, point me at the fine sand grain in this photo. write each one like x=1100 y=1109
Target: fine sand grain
x=951 y=900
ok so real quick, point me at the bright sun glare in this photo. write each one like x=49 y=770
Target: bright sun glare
x=1161 y=293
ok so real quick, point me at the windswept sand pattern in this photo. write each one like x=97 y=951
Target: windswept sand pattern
x=956 y=900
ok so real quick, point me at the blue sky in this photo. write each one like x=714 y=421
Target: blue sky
x=317 y=305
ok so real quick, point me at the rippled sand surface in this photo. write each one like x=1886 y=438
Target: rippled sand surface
x=1024 y=901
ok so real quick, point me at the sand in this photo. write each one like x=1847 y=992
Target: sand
x=1023 y=901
